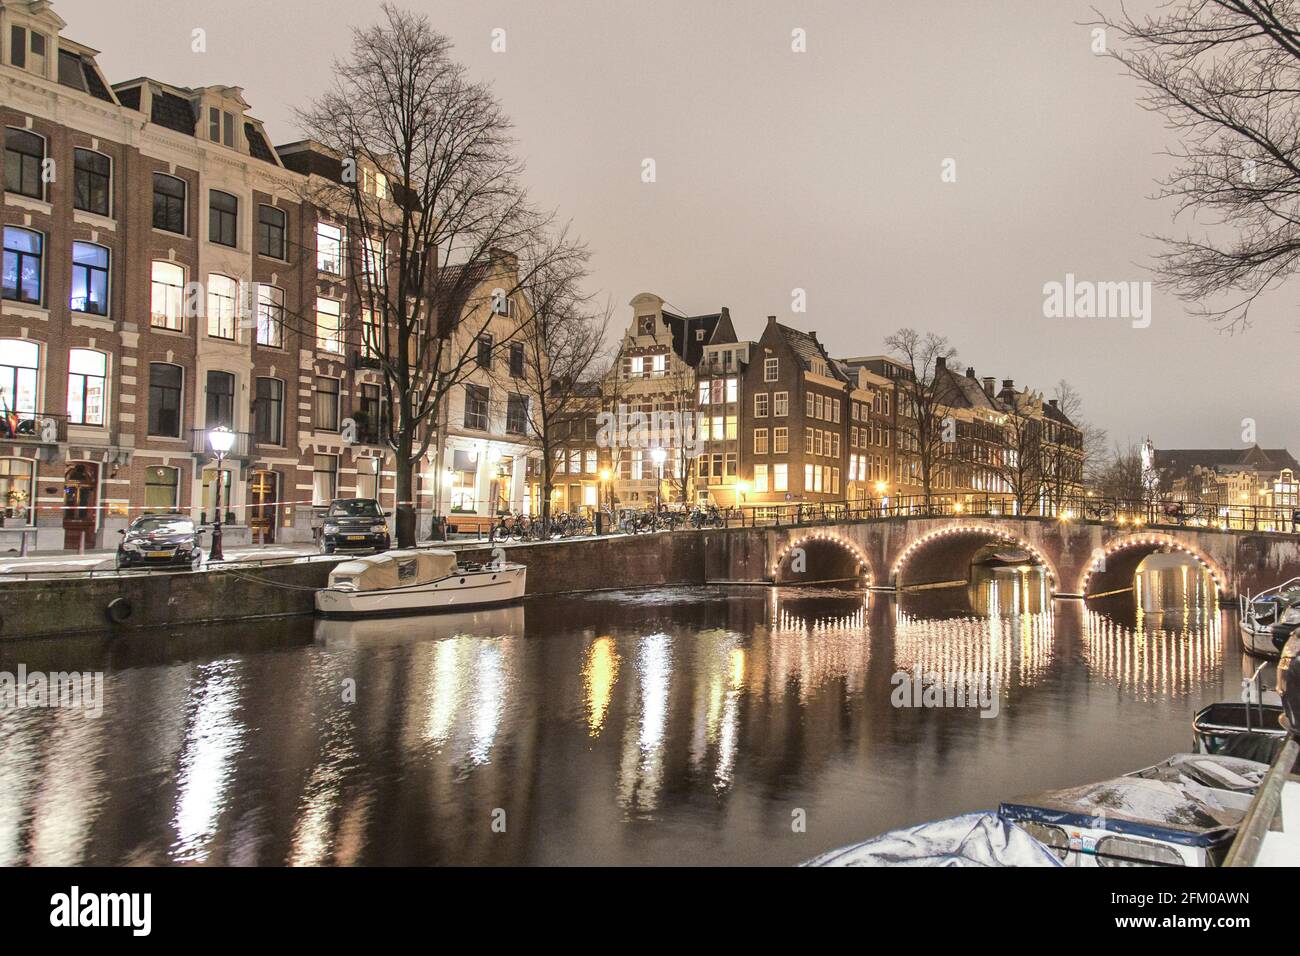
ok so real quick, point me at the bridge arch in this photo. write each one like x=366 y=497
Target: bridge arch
x=781 y=572
x=1111 y=569
x=957 y=545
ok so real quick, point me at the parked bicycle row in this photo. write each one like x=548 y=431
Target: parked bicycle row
x=523 y=527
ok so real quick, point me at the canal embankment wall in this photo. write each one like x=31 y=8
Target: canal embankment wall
x=78 y=604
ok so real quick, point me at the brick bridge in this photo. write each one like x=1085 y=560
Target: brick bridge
x=1081 y=558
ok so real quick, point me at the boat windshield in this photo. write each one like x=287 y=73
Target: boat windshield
x=355 y=508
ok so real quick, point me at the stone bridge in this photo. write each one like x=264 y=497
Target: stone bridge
x=1081 y=559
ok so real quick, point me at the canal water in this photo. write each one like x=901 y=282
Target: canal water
x=692 y=726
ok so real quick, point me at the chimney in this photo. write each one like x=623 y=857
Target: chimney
x=1008 y=383
x=970 y=371
x=771 y=320
x=1052 y=402
x=989 y=382
x=940 y=363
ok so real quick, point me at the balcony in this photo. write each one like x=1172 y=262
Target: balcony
x=199 y=444
x=360 y=360
x=33 y=428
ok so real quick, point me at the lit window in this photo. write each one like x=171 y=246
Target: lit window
x=329 y=325
x=87 y=371
x=329 y=249
x=167 y=296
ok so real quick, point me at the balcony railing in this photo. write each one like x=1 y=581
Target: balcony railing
x=200 y=445
x=33 y=428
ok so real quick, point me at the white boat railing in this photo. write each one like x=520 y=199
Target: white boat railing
x=1247 y=599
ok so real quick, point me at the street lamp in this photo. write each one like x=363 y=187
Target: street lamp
x=605 y=476
x=222 y=439
x=659 y=456
x=742 y=489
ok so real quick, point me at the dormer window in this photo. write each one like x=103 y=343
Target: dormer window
x=221 y=126
x=28 y=50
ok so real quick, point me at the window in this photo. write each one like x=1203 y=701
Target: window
x=771 y=369
x=517 y=414
x=329 y=325
x=329 y=249
x=760 y=441
x=502 y=304
x=161 y=485
x=327 y=404
x=781 y=477
x=760 y=478
x=476 y=407
x=780 y=404
x=223 y=218
x=221 y=400
x=19 y=373
x=23 y=268
x=24 y=157
x=270 y=316
x=268 y=412
x=780 y=441
x=223 y=292
x=18 y=47
x=89 y=279
x=372 y=339
x=371 y=417
x=16 y=488
x=270 y=232
x=166 y=296
x=368 y=478
x=516 y=360
x=324 y=479
x=484 y=356
x=165 y=382
x=168 y=203
x=37 y=48
x=760 y=405
x=731 y=390
x=91 y=186
x=87 y=371
x=221 y=126
x=464 y=481
x=373 y=262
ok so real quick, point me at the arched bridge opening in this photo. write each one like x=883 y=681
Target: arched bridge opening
x=820 y=558
x=945 y=558
x=1112 y=570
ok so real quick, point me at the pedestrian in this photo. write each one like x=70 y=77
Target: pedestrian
x=1295 y=519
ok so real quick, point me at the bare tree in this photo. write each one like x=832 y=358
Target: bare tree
x=1225 y=74
x=1122 y=475
x=1018 y=462
x=925 y=422
x=429 y=185
x=1069 y=455
x=554 y=369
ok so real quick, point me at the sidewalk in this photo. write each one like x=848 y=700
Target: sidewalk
x=103 y=560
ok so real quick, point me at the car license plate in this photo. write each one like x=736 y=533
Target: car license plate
x=158 y=554
x=356 y=537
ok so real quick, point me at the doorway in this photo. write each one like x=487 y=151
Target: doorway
x=80 y=504
x=263 y=507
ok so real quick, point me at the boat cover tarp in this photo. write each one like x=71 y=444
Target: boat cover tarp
x=394 y=569
x=972 y=839
x=1183 y=812
x=1217 y=771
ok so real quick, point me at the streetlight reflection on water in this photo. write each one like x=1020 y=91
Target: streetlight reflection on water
x=682 y=714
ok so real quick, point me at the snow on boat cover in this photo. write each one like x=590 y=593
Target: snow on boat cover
x=972 y=839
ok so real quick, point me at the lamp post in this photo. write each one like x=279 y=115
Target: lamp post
x=881 y=488
x=659 y=456
x=222 y=439
x=605 y=476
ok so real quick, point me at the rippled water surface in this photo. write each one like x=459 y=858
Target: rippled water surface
x=677 y=726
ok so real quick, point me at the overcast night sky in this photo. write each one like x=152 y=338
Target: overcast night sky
x=820 y=171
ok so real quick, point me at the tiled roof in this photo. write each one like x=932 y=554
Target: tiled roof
x=173 y=112
x=806 y=348
x=1182 y=461
x=257 y=145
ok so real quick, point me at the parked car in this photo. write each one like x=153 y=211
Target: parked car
x=162 y=540
x=354 y=524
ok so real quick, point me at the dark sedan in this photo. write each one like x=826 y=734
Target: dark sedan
x=168 y=540
x=354 y=524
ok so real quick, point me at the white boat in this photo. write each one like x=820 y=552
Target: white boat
x=416 y=582
x=1261 y=611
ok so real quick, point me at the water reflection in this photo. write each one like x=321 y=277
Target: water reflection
x=668 y=727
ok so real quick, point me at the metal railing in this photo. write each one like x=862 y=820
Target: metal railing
x=1155 y=513
x=36 y=428
x=200 y=445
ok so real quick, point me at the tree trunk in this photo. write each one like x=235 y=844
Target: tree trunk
x=405 y=498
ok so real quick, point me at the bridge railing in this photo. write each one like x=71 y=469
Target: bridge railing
x=1122 y=512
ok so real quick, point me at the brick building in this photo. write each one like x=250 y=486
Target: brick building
x=164 y=273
